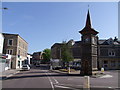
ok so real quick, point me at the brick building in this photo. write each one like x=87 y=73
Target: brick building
x=17 y=47
x=36 y=58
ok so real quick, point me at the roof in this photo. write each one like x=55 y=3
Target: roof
x=88 y=29
x=56 y=44
x=15 y=35
x=109 y=41
x=77 y=43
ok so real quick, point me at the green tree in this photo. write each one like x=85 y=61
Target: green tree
x=46 y=55
x=66 y=53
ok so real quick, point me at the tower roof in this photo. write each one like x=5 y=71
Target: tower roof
x=88 y=29
x=88 y=21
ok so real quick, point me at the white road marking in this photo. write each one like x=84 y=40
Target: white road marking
x=106 y=76
x=61 y=86
x=50 y=82
x=65 y=87
x=54 y=79
x=102 y=87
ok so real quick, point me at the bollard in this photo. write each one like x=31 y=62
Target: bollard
x=102 y=70
x=68 y=70
x=51 y=67
x=86 y=85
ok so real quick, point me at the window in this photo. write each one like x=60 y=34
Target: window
x=9 y=51
x=105 y=62
x=113 y=63
x=10 y=42
x=111 y=53
x=18 y=63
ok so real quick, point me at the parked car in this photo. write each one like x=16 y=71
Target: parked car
x=25 y=67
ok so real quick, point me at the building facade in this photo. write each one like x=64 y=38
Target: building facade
x=17 y=47
x=109 y=53
x=37 y=58
x=102 y=53
x=1 y=43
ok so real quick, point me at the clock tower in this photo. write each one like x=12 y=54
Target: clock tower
x=89 y=48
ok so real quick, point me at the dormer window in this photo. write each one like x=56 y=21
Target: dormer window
x=111 y=53
x=110 y=41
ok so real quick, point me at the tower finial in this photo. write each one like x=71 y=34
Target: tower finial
x=88 y=21
x=88 y=6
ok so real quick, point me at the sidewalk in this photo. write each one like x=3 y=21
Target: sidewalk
x=96 y=74
x=8 y=73
x=71 y=73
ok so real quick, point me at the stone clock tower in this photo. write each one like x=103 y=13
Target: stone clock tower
x=89 y=48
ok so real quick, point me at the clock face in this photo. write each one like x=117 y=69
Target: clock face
x=87 y=39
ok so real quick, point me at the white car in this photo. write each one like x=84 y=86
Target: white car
x=25 y=67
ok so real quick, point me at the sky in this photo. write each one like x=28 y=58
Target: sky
x=42 y=24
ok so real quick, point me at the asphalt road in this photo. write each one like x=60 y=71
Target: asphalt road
x=41 y=77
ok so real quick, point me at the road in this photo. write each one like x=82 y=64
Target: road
x=41 y=77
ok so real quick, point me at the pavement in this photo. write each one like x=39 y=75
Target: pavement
x=8 y=73
x=77 y=72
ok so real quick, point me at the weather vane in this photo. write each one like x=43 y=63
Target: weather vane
x=88 y=6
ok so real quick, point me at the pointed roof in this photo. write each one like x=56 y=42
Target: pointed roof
x=88 y=29
x=88 y=21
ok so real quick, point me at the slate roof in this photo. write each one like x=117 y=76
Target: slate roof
x=109 y=41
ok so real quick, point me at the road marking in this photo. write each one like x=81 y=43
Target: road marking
x=61 y=86
x=102 y=87
x=106 y=76
x=65 y=87
x=50 y=81
x=54 y=79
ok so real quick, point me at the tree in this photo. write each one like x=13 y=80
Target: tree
x=66 y=53
x=46 y=55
